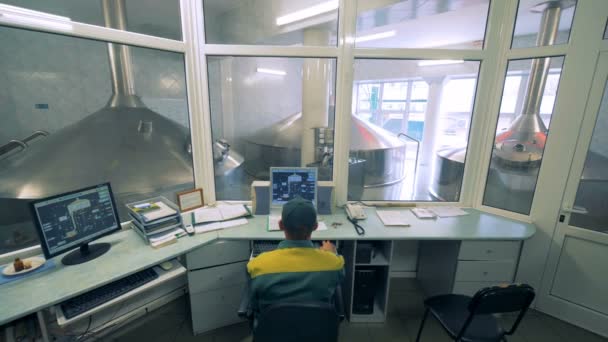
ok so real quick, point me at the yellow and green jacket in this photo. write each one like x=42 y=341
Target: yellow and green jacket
x=294 y=272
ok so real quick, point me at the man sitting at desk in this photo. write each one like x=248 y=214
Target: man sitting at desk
x=296 y=271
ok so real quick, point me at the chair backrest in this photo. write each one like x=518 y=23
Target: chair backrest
x=315 y=321
x=501 y=299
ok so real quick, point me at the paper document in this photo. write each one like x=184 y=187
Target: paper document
x=163 y=211
x=220 y=213
x=273 y=223
x=394 y=217
x=448 y=211
x=203 y=228
x=423 y=213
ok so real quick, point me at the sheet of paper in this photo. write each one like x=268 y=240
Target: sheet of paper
x=232 y=211
x=167 y=236
x=448 y=211
x=203 y=228
x=394 y=217
x=203 y=215
x=163 y=211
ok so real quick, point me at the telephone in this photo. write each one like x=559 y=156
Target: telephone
x=355 y=212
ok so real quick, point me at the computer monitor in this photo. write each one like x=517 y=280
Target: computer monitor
x=288 y=182
x=74 y=219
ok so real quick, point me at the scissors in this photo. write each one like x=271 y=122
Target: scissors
x=360 y=230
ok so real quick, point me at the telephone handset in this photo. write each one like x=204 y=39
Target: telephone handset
x=355 y=212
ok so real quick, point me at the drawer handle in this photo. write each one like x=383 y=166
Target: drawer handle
x=485 y=273
x=489 y=251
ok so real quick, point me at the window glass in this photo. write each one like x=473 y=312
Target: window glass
x=154 y=18
x=396 y=24
x=542 y=23
x=415 y=151
x=592 y=193
x=521 y=135
x=266 y=112
x=271 y=22
x=63 y=106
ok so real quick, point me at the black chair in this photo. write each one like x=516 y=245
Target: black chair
x=471 y=319
x=295 y=322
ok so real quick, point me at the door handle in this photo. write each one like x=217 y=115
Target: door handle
x=576 y=210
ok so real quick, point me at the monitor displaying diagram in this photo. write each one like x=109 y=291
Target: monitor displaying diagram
x=76 y=218
x=287 y=183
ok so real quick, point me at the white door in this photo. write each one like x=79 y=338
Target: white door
x=575 y=282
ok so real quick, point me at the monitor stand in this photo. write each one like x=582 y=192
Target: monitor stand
x=85 y=253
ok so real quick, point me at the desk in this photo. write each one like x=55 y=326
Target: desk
x=129 y=253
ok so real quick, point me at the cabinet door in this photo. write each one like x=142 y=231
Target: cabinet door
x=218 y=253
x=215 y=309
x=218 y=277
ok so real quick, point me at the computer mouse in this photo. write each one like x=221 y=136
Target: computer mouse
x=167 y=265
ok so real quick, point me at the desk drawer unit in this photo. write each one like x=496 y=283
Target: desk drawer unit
x=489 y=250
x=218 y=253
x=465 y=267
x=485 y=270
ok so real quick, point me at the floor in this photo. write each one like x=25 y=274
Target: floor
x=172 y=323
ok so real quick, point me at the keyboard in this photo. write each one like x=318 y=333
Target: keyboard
x=260 y=247
x=92 y=299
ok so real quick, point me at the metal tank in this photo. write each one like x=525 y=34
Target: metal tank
x=518 y=150
x=382 y=153
x=140 y=152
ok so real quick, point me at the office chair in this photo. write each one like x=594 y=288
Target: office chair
x=295 y=322
x=470 y=319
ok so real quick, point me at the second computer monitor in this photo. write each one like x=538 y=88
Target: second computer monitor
x=288 y=182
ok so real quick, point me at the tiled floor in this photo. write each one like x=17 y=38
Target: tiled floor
x=172 y=323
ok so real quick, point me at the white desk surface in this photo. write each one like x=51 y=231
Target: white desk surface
x=130 y=254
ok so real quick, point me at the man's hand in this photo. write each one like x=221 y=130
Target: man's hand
x=328 y=246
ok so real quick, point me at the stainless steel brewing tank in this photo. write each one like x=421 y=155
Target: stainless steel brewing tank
x=137 y=150
x=279 y=145
x=448 y=174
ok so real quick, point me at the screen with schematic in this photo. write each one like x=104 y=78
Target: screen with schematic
x=68 y=220
x=287 y=183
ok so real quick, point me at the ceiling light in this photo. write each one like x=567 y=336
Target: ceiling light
x=440 y=62
x=374 y=36
x=271 y=71
x=308 y=12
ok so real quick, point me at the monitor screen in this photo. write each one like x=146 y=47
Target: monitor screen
x=68 y=220
x=287 y=183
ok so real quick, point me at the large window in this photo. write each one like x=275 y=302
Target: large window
x=543 y=23
x=421 y=24
x=521 y=133
x=269 y=111
x=154 y=18
x=271 y=22
x=74 y=129
x=410 y=129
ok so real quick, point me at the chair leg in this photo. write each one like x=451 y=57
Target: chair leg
x=426 y=313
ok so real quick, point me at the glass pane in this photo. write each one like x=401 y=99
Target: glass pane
x=441 y=24
x=542 y=23
x=154 y=18
x=521 y=133
x=267 y=112
x=592 y=193
x=90 y=131
x=271 y=22
x=417 y=151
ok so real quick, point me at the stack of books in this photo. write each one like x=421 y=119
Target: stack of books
x=157 y=220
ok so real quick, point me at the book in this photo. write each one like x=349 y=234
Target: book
x=223 y=212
